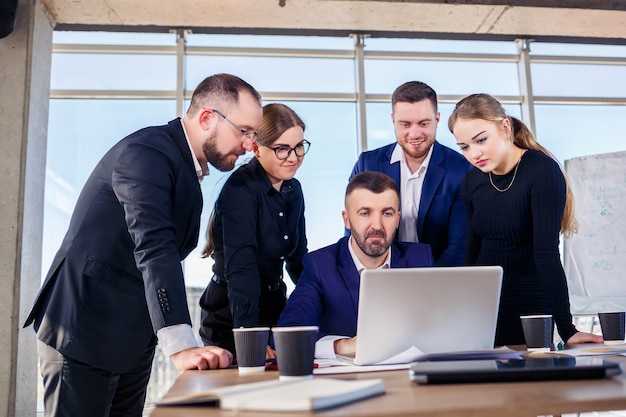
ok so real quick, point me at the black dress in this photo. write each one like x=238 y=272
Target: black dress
x=518 y=229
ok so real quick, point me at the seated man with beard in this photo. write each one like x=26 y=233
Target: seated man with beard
x=327 y=294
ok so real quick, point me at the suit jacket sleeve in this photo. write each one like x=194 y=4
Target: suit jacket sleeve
x=305 y=304
x=411 y=255
x=144 y=181
x=359 y=166
x=457 y=234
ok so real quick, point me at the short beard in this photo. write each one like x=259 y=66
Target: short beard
x=215 y=157
x=374 y=249
x=416 y=154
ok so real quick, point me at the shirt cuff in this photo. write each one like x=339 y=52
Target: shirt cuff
x=173 y=339
x=325 y=347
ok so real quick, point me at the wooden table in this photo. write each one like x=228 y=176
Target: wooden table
x=404 y=398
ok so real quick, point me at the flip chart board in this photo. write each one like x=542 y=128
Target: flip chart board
x=595 y=258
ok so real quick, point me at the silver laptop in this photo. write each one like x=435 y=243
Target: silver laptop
x=436 y=310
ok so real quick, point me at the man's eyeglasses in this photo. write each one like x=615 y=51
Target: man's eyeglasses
x=246 y=133
x=283 y=151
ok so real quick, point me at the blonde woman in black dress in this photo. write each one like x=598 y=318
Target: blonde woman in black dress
x=517 y=201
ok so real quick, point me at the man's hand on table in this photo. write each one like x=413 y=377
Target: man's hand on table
x=206 y=357
x=345 y=346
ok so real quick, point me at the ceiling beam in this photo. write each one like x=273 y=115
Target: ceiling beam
x=568 y=4
x=427 y=18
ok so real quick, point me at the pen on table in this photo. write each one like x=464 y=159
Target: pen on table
x=272 y=365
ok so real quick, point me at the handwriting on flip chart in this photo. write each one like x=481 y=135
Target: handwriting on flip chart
x=595 y=258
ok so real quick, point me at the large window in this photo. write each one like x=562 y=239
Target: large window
x=107 y=85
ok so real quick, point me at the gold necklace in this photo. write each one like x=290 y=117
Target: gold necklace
x=511 y=183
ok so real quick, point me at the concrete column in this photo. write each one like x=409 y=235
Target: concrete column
x=25 y=57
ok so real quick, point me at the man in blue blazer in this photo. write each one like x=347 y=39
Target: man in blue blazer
x=116 y=284
x=428 y=175
x=327 y=294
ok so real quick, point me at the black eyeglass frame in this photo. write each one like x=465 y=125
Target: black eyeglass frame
x=246 y=133
x=306 y=145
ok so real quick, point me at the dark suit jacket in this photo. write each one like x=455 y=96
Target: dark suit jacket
x=441 y=219
x=117 y=277
x=327 y=294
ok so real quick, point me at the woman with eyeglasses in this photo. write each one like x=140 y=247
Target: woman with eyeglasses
x=256 y=228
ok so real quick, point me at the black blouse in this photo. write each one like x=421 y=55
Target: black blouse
x=257 y=231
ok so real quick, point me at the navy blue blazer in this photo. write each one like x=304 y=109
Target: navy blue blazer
x=441 y=219
x=117 y=277
x=327 y=294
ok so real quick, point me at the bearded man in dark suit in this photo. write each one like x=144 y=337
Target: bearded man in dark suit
x=116 y=284
x=327 y=294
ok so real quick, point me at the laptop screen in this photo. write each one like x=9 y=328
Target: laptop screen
x=436 y=310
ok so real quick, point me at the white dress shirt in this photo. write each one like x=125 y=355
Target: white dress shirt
x=410 y=188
